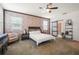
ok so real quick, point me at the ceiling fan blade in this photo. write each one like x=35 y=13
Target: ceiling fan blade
x=53 y=8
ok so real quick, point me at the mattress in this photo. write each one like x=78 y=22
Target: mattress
x=39 y=37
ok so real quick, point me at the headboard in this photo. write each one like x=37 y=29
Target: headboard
x=34 y=29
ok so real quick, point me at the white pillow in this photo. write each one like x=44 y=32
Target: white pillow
x=34 y=32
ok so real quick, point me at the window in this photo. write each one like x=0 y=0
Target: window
x=45 y=25
x=16 y=23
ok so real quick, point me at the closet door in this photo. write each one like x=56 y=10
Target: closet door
x=55 y=28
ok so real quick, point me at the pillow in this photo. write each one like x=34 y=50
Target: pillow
x=34 y=32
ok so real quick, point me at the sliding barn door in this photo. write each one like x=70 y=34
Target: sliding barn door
x=55 y=28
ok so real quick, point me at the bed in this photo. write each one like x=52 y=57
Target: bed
x=36 y=34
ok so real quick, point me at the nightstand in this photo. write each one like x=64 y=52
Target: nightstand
x=25 y=36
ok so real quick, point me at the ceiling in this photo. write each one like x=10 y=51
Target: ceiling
x=33 y=8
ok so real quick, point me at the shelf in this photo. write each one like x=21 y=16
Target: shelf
x=68 y=25
x=69 y=29
x=69 y=35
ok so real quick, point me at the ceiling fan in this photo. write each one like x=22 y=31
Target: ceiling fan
x=50 y=7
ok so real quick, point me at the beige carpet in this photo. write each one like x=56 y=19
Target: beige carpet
x=57 y=47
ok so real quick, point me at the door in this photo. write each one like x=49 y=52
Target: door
x=55 y=28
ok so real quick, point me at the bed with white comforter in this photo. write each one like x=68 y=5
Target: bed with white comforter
x=39 y=37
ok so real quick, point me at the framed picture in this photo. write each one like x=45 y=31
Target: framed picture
x=69 y=22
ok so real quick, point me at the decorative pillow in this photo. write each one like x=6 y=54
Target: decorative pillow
x=34 y=32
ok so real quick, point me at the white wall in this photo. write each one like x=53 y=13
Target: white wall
x=55 y=17
x=74 y=16
x=1 y=19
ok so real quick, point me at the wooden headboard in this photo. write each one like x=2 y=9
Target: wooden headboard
x=34 y=29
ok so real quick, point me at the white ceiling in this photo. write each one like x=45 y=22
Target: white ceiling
x=33 y=8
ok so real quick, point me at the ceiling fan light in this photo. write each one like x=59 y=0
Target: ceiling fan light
x=47 y=10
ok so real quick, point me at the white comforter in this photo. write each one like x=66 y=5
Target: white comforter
x=39 y=37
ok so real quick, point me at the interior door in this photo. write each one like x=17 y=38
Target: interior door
x=55 y=28
x=59 y=27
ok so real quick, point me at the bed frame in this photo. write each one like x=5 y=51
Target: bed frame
x=34 y=28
